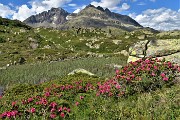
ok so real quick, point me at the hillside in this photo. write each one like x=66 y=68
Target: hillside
x=23 y=44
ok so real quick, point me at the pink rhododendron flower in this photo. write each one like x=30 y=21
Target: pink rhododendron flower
x=81 y=97
x=14 y=113
x=153 y=74
x=53 y=104
x=165 y=79
x=14 y=103
x=68 y=110
x=77 y=103
x=163 y=75
x=62 y=115
x=118 y=86
x=65 y=108
x=30 y=100
x=117 y=71
x=53 y=116
x=52 y=110
x=155 y=67
x=8 y=114
x=47 y=94
x=60 y=109
x=33 y=110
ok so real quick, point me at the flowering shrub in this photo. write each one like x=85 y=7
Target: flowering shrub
x=146 y=75
x=60 y=101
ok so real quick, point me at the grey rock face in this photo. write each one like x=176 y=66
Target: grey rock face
x=168 y=49
x=50 y=18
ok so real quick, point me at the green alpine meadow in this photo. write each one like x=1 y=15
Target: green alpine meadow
x=94 y=64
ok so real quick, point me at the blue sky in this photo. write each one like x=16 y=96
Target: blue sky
x=158 y=14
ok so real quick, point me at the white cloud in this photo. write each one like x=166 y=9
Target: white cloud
x=78 y=9
x=160 y=19
x=112 y=5
x=5 y=11
x=72 y=5
x=37 y=6
x=10 y=4
x=125 y=6
x=23 y=12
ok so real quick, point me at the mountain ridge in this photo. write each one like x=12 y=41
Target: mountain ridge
x=90 y=16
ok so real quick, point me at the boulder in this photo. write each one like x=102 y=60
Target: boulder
x=117 y=42
x=141 y=37
x=81 y=71
x=125 y=53
x=168 y=49
x=138 y=49
x=34 y=45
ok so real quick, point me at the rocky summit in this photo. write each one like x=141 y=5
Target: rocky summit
x=50 y=18
x=90 y=16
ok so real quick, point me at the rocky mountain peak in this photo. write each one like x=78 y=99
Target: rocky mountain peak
x=100 y=8
x=90 y=6
x=90 y=16
x=49 y=18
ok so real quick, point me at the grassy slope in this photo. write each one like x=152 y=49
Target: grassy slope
x=47 y=71
x=16 y=41
x=160 y=104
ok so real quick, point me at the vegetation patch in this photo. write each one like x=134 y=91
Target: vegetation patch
x=88 y=97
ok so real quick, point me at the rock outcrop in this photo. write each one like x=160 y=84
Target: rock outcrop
x=168 y=49
x=81 y=71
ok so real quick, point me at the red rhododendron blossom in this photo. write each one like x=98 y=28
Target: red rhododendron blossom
x=165 y=79
x=65 y=108
x=163 y=75
x=68 y=110
x=47 y=94
x=60 y=109
x=0 y=96
x=14 y=103
x=33 y=110
x=62 y=115
x=14 y=113
x=117 y=71
x=53 y=110
x=118 y=86
x=53 y=116
x=77 y=103
x=8 y=114
x=81 y=97
x=153 y=74
x=155 y=67
x=30 y=100
x=53 y=104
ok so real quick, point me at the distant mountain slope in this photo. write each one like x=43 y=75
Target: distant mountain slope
x=13 y=23
x=50 y=18
x=90 y=16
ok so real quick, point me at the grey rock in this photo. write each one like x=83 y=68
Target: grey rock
x=80 y=70
x=50 y=18
x=168 y=49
